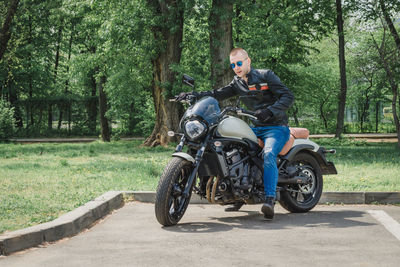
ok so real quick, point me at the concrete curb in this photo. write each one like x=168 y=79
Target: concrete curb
x=66 y=225
x=83 y=217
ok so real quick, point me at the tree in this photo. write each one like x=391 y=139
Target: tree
x=5 y=32
x=371 y=13
x=390 y=25
x=342 y=66
x=221 y=42
x=168 y=32
x=382 y=50
x=316 y=89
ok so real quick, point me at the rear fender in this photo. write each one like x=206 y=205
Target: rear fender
x=305 y=145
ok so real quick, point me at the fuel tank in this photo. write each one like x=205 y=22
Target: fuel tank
x=233 y=127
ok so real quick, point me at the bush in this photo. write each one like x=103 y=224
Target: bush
x=7 y=121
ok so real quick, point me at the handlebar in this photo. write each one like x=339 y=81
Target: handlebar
x=188 y=100
x=246 y=113
x=240 y=111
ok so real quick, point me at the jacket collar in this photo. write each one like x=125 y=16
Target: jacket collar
x=251 y=72
x=248 y=75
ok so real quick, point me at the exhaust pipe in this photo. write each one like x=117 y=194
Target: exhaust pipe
x=294 y=180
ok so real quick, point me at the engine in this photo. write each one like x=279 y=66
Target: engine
x=244 y=181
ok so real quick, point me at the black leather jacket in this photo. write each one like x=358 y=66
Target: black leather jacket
x=275 y=96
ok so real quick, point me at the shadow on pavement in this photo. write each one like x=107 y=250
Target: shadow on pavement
x=254 y=221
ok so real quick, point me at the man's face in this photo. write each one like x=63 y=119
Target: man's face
x=240 y=71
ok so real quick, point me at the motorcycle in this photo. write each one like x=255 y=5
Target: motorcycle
x=222 y=162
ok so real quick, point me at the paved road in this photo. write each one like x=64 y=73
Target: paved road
x=207 y=236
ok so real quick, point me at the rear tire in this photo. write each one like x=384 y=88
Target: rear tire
x=170 y=205
x=302 y=198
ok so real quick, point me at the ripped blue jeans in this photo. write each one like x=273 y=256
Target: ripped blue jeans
x=274 y=137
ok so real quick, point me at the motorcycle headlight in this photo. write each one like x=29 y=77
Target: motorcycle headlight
x=194 y=129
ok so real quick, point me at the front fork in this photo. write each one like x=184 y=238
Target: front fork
x=196 y=164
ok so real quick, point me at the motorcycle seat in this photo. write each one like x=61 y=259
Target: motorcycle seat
x=295 y=133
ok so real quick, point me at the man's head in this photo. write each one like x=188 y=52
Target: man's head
x=240 y=62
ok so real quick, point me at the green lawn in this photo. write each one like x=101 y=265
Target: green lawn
x=363 y=167
x=39 y=182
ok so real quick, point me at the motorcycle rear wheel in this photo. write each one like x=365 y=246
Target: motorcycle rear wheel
x=170 y=204
x=302 y=198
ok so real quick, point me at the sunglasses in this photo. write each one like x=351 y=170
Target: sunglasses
x=239 y=64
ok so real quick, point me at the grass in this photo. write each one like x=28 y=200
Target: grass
x=39 y=182
x=363 y=167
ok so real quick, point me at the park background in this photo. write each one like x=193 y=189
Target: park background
x=90 y=68
x=107 y=68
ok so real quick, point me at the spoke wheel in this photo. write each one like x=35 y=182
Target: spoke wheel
x=302 y=198
x=171 y=204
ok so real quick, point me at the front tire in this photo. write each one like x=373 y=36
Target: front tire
x=170 y=205
x=302 y=198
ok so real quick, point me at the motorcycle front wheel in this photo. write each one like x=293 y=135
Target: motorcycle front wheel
x=302 y=198
x=170 y=204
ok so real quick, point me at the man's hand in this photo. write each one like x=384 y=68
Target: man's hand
x=183 y=96
x=263 y=114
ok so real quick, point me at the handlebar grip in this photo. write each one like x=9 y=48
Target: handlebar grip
x=249 y=112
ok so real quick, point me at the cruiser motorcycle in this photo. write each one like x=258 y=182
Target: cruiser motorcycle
x=220 y=158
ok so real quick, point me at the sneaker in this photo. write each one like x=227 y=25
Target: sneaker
x=268 y=208
x=235 y=207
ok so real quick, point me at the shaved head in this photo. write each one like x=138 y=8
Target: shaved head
x=239 y=50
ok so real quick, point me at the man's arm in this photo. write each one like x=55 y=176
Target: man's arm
x=225 y=92
x=285 y=97
x=220 y=93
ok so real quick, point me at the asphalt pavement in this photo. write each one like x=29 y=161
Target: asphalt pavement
x=329 y=235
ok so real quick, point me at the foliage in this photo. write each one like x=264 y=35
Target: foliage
x=60 y=49
x=7 y=121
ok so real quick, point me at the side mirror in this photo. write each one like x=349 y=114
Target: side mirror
x=186 y=79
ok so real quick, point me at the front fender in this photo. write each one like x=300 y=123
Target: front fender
x=185 y=156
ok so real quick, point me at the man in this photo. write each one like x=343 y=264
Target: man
x=271 y=125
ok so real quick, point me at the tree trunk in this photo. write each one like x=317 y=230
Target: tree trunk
x=389 y=22
x=93 y=105
x=105 y=129
x=5 y=32
x=131 y=120
x=13 y=96
x=30 y=40
x=13 y=101
x=295 y=117
x=342 y=66
x=167 y=113
x=364 y=109
x=50 y=117
x=393 y=85
x=221 y=42
x=377 y=116
x=57 y=61
x=322 y=114
x=30 y=106
x=58 y=45
x=63 y=107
